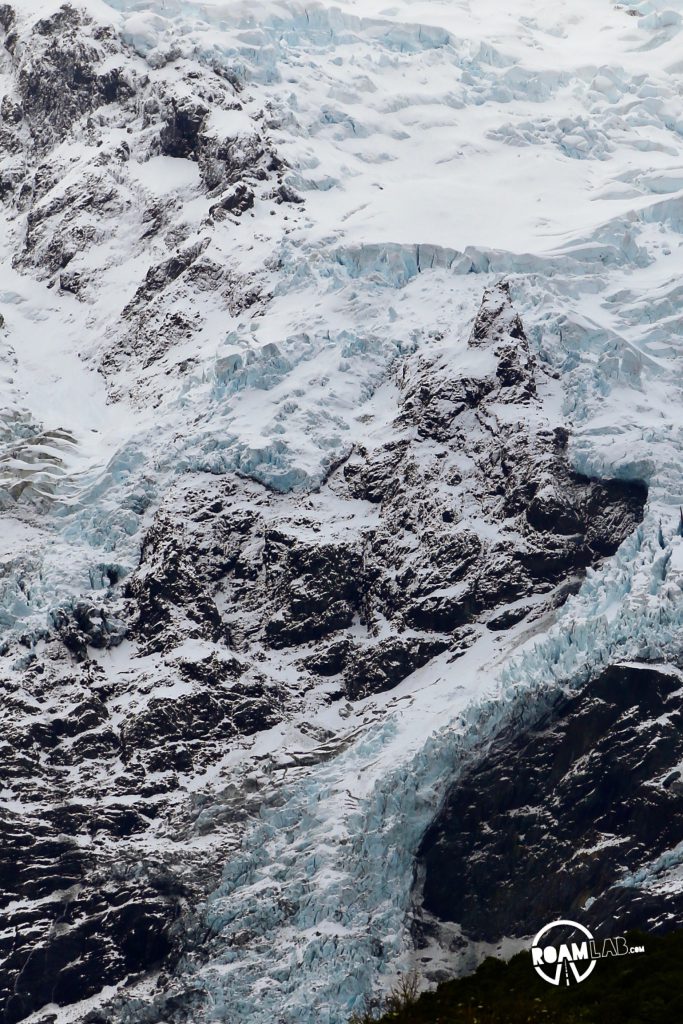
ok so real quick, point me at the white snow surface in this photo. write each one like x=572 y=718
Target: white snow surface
x=439 y=146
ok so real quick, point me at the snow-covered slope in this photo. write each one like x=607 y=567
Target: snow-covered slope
x=284 y=538
x=460 y=140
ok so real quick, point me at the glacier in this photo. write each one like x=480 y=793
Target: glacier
x=438 y=148
x=324 y=878
x=295 y=448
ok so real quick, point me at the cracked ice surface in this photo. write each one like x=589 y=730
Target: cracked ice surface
x=458 y=139
x=543 y=145
x=438 y=147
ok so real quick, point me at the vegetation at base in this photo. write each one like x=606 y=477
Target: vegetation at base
x=639 y=988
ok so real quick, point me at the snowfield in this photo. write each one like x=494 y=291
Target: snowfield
x=430 y=149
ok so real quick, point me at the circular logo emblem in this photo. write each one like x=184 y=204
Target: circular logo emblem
x=563 y=950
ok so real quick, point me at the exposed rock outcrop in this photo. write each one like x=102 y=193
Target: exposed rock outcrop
x=82 y=121
x=581 y=803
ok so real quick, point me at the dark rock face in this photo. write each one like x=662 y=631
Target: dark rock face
x=173 y=585
x=180 y=134
x=84 y=902
x=370 y=607
x=285 y=194
x=86 y=625
x=7 y=16
x=237 y=200
x=552 y=522
x=498 y=325
x=74 y=89
x=385 y=665
x=83 y=933
x=223 y=160
x=316 y=587
x=61 y=80
x=550 y=822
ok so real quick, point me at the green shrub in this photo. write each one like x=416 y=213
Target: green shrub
x=642 y=988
